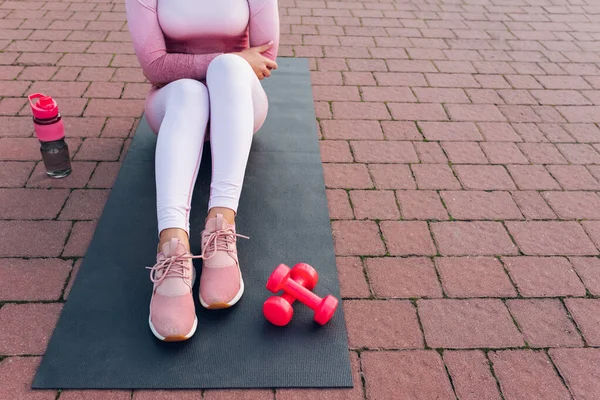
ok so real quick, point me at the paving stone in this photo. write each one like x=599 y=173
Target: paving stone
x=100 y=149
x=434 y=176
x=249 y=394
x=576 y=366
x=542 y=153
x=167 y=395
x=374 y=204
x=498 y=132
x=79 y=239
x=403 y=277
x=356 y=393
x=346 y=176
x=407 y=238
x=544 y=276
x=464 y=153
x=472 y=238
x=33 y=238
x=421 y=205
x=471 y=375
x=414 y=374
x=357 y=238
x=503 y=153
x=387 y=324
x=588 y=269
x=480 y=205
x=544 y=323
x=384 y=152
x=353 y=283
x=105 y=175
x=78 y=178
x=551 y=238
x=579 y=153
x=14 y=173
x=586 y=313
x=574 y=205
x=26 y=328
x=532 y=205
x=463 y=324
x=351 y=129
x=484 y=177
x=574 y=177
x=532 y=177
x=33 y=279
x=84 y=204
x=392 y=176
x=400 y=130
x=474 y=277
x=16 y=376
x=31 y=203
x=430 y=153
x=339 y=204
x=95 y=395
x=450 y=131
x=515 y=369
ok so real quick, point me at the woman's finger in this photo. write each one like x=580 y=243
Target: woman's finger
x=266 y=73
x=270 y=64
x=264 y=47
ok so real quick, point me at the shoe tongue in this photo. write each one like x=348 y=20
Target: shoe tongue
x=174 y=247
x=217 y=223
x=222 y=258
x=173 y=286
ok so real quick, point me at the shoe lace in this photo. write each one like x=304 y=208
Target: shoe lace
x=221 y=239
x=171 y=267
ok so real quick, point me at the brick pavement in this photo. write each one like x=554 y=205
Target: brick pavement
x=461 y=156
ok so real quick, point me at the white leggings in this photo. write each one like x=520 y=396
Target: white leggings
x=236 y=105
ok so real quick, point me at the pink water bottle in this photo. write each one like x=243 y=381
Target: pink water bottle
x=50 y=131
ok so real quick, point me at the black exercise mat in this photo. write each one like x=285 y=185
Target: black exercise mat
x=102 y=340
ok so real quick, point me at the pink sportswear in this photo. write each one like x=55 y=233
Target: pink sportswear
x=181 y=46
x=178 y=39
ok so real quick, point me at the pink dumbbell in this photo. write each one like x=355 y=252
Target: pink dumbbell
x=282 y=279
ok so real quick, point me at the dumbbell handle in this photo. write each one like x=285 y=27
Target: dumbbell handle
x=296 y=291
x=288 y=297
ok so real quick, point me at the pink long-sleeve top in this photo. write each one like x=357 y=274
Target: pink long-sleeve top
x=176 y=39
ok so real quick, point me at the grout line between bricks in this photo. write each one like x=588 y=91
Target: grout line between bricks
x=448 y=374
x=557 y=372
x=421 y=327
x=514 y=320
x=439 y=277
x=367 y=279
x=493 y=372
x=570 y=317
x=512 y=282
x=363 y=379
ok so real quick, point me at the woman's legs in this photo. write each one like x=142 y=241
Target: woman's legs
x=238 y=109
x=179 y=112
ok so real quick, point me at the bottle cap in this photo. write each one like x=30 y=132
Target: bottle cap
x=44 y=108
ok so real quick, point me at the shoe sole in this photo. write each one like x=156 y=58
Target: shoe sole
x=221 y=305
x=176 y=338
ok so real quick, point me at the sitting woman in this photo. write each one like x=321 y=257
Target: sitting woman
x=205 y=61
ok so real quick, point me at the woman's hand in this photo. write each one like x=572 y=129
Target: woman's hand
x=260 y=64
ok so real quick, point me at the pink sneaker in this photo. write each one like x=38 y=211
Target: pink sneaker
x=172 y=312
x=221 y=283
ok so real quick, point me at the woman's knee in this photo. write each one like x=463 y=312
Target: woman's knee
x=187 y=91
x=228 y=65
